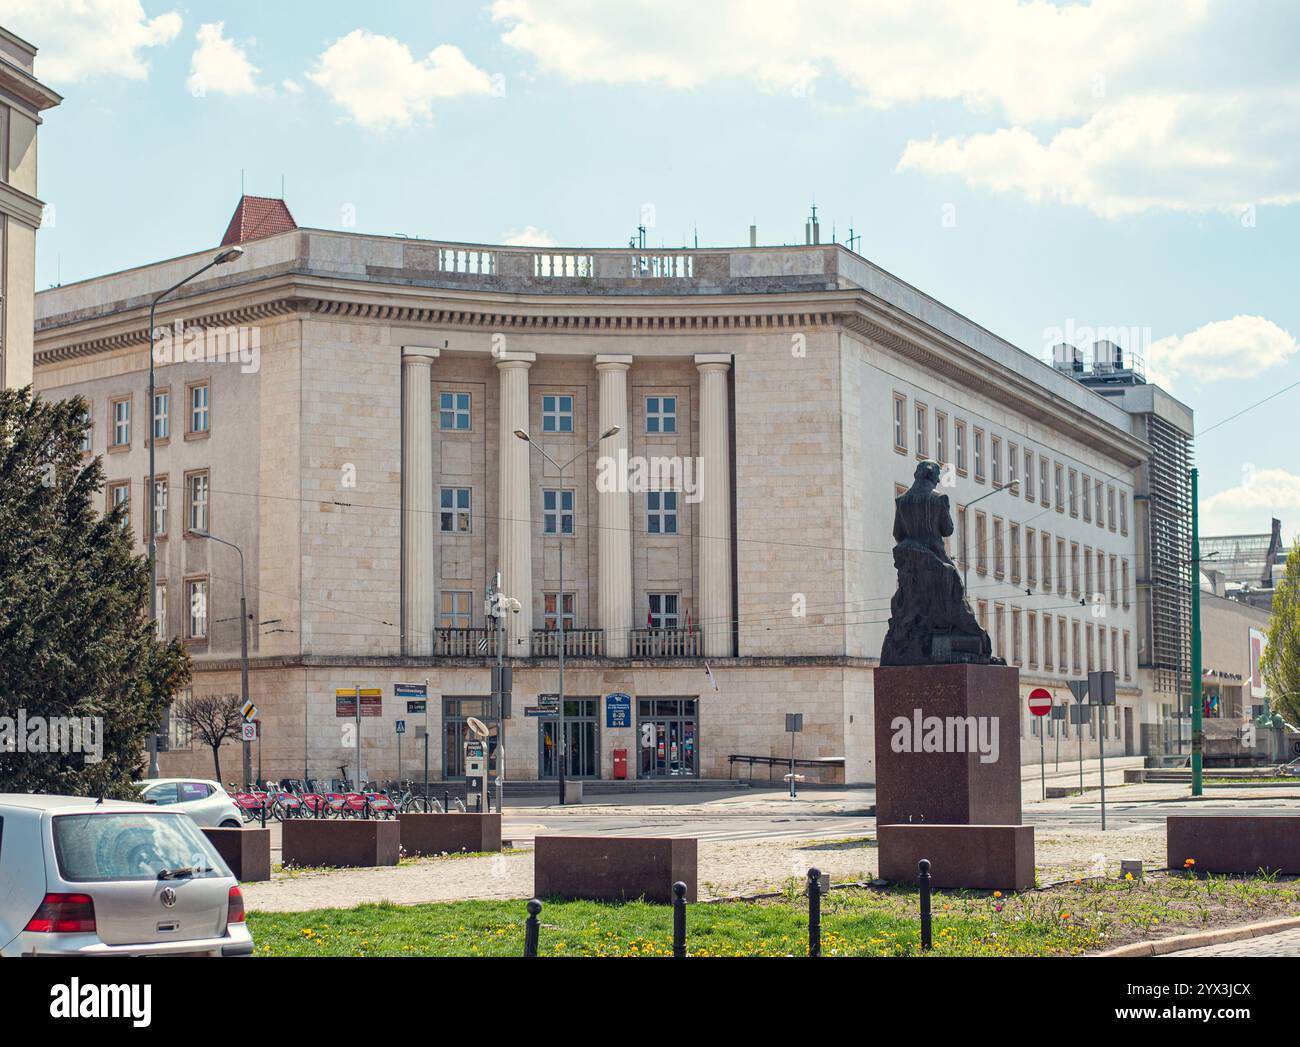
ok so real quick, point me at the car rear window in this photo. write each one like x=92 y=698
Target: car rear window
x=130 y=846
x=193 y=791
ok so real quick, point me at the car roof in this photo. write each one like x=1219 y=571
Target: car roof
x=47 y=802
x=144 y=783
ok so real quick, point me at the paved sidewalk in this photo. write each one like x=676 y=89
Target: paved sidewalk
x=1284 y=943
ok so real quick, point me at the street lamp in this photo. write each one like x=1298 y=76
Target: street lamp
x=228 y=255
x=560 y=747
x=243 y=644
x=1014 y=488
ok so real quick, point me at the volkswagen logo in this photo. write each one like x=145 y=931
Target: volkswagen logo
x=168 y=897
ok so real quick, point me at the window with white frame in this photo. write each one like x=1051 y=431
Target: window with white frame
x=119 y=494
x=453 y=411
x=922 y=430
x=940 y=437
x=661 y=414
x=121 y=423
x=180 y=731
x=454 y=609
x=979 y=455
x=557 y=413
x=160 y=598
x=162 y=414
x=196 y=501
x=87 y=431
x=557 y=511
x=454 y=510
x=159 y=506
x=661 y=512
x=663 y=611
x=959 y=443
x=900 y=422
x=196 y=600
x=550 y=602
x=199 y=402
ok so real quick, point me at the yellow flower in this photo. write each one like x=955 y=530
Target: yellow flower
x=997 y=894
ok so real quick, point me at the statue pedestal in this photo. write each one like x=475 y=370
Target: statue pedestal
x=948 y=770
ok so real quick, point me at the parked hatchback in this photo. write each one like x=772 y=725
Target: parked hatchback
x=102 y=878
x=204 y=801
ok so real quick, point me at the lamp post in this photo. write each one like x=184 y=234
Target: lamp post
x=1014 y=488
x=228 y=255
x=560 y=747
x=243 y=645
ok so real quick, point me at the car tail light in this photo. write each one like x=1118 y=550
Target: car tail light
x=235 y=907
x=64 y=914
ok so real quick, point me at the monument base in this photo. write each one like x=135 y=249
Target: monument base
x=979 y=857
x=1234 y=843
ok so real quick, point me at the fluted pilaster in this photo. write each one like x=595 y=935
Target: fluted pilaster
x=715 y=506
x=418 y=582
x=514 y=533
x=614 y=510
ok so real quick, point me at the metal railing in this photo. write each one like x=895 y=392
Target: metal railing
x=578 y=643
x=665 y=643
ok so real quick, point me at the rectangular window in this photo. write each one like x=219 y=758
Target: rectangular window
x=959 y=442
x=1017 y=652
x=1031 y=555
x=979 y=455
x=1059 y=487
x=160 y=598
x=1101 y=520
x=1029 y=477
x=1013 y=463
x=1014 y=538
x=160 y=488
x=1088 y=665
x=1074 y=569
x=661 y=512
x=1110 y=507
x=454 y=609
x=550 y=619
x=962 y=550
x=1048 y=662
x=1087 y=501
x=119 y=494
x=922 y=430
x=1032 y=621
x=453 y=411
x=199 y=395
x=663 y=611
x=661 y=414
x=1060 y=566
x=999 y=631
x=1077 y=659
x=1123 y=512
x=900 y=422
x=1087 y=572
x=1114 y=586
x=1074 y=493
x=981 y=543
x=196 y=501
x=1046 y=562
x=1044 y=493
x=454 y=510
x=557 y=414
x=557 y=511
x=941 y=437
x=162 y=415
x=196 y=602
x=1123 y=583
x=121 y=413
x=1061 y=650
x=1101 y=575
x=87 y=431
x=1127 y=673
x=995 y=455
x=999 y=564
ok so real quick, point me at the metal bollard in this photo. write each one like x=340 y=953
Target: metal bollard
x=446 y=801
x=679 y=919
x=814 y=912
x=532 y=927
x=924 y=880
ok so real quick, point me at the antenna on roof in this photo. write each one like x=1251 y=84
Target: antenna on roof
x=853 y=240
x=812 y=233
x=241 y=181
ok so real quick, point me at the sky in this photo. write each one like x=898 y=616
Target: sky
x=1041 y=167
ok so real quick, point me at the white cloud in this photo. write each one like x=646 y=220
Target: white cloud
x=1243 y=347
x=381 y=84
x=220 y=65
x=1248 y=507
x=78 y=39
x=291 y=86
x=1121 y=106
x=529 y=236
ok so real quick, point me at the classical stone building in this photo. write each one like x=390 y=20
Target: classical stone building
x=344 y=407
x=22 y=100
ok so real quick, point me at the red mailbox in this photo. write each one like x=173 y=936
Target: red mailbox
x=620 y=763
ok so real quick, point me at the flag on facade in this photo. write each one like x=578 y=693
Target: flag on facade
x=709 y=673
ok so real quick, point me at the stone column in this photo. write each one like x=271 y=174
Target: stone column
x=715 y=507
x=615 y=510
x=514 y=503
x=417 y=499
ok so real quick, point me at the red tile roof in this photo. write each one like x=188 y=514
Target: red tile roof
x=256 y=217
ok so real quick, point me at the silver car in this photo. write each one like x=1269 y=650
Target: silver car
x=88 y=878
x=203 y=800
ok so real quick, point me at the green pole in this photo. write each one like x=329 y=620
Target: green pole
x=1198 y=740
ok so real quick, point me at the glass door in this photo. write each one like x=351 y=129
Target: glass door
x=668 y=733
x=583 y=738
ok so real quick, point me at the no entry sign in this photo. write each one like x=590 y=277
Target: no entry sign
x=1040 y=701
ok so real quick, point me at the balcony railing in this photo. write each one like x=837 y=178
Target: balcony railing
x=578 y=643
x=665 y=643
x=465 y=643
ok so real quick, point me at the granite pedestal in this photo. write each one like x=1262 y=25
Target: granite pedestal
x=977 y=857
x=1234 y=843
x=246 y=851
x=424 y=834
x=614 y=868
x=332 y=842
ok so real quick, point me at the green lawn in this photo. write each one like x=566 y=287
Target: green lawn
x=1072 y=919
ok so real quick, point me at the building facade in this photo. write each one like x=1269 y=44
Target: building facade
x=344 y=408
x=23 y=99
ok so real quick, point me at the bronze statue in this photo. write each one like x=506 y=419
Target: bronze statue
x=930 y=622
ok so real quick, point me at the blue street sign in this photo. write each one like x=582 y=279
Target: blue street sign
x=618 y=710
x=401 y=726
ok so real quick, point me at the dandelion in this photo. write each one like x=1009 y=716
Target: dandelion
x=997 y=894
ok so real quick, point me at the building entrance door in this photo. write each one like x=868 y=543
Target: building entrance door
x=583 y=736
x=668 y=738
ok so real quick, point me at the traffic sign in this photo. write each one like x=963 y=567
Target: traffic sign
x=250 y=732
x=400 y=726
x=1040 y=701
x=249 y=710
